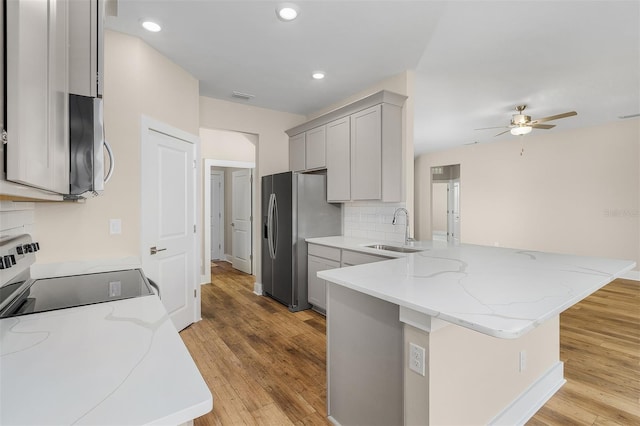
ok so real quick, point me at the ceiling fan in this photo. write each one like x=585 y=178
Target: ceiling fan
x=522 y=124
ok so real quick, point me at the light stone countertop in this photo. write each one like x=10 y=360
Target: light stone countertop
x=114 y=363
x=497 y=291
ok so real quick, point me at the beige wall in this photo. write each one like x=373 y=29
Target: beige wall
x=272 y=148
x=138 y=80
x=227 y=146
x=570 y=192
x=471 y=377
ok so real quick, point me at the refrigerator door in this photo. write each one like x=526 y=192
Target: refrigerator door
x=314 y=218
x=267 y=262
x=283 y=239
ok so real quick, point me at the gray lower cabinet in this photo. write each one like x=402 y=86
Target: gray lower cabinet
x=352 y=258
x=363 y=390
x=320 y=258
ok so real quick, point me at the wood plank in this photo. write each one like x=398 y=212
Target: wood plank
x=267 y=366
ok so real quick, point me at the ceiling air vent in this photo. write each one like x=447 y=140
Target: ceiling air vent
x=243 y=96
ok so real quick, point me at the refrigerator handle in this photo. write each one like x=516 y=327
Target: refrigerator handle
x=275 y=225
x=272 y=199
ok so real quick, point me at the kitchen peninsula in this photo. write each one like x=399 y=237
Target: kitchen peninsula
x=453 y=334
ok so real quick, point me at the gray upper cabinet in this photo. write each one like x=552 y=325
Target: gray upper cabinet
x=366 y=159
x=339 y=160
x=307 y=151
x=37 y=94
x=297 y=153
x=315 y=148
x=86 y=47
x=363 y=149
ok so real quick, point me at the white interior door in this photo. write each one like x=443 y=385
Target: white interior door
x=241 y=220
x=217 y=215
x=168 y=217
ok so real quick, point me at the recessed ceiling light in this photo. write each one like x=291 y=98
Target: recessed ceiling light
x=287 y=11
x=318 y=75
x=151 y=26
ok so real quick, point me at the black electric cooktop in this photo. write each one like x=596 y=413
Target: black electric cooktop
x=49 y=294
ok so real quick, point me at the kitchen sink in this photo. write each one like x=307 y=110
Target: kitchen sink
x=393 y=248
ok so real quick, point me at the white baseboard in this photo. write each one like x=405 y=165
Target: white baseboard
x=257 y=288
x=334 y=421
x=531 y=400
x=632 y=275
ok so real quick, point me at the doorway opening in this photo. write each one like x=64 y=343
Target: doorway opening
x=228 y=199
x=445 y=203
x=228 y=202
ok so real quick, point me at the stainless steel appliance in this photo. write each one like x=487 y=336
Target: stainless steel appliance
x=21 y=295
x=294 y=207
x=86 y=147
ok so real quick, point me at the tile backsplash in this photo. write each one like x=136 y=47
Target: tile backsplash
x=372 y=220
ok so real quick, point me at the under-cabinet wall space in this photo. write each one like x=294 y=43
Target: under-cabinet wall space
x=369 y=219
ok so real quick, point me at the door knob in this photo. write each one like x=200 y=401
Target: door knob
x=153 y=250
x=233 y=224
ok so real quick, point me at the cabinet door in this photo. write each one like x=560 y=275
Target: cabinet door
x=366 y=150
x=85 y=47
x=317 y=287
x=339 y=160
x=315 y=148
x=297 y=153
x=37 y=94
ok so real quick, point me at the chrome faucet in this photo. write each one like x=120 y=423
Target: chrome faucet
x=407 y=238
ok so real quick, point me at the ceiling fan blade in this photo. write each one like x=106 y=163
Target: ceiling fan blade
x=543 y=126
x=497 y=127
x=554 y=117
x=502 y=133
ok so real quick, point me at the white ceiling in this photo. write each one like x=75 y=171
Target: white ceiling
x=474 y=60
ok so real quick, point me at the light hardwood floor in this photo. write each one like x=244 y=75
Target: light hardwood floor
x=266 y=366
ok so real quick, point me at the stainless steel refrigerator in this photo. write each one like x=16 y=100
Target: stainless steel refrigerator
x=294 y=207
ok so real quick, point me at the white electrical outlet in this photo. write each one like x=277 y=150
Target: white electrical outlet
x=523 y=360
x=416 y=358
x=115 y=226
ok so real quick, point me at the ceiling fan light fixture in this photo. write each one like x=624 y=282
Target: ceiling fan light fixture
x=287 y=12
x=521 y=130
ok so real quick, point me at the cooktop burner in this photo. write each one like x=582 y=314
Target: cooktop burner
x=49 y=294
x=21 y=295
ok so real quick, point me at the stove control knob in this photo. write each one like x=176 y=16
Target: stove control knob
x=29 y=248
x=20 y=250
x=26 y=247
x=1 y=263
x=34 y=247
x=7 y=262
x=37 y=245
x=13 y=259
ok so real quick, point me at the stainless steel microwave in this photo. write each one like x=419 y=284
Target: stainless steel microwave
x=87 y=147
